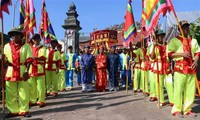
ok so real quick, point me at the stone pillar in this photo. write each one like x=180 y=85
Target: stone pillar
x=72 y=27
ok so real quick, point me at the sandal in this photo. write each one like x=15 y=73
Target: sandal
x=191 y=114
x=178 y=114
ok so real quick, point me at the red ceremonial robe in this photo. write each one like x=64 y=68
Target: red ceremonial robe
x=101 y=73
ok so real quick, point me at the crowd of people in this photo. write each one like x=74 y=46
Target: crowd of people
x=35 y=71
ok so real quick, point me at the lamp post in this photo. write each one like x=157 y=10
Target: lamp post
x=14 y=7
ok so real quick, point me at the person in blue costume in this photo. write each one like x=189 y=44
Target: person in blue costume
x=87 y=62
x=113 y=67
x=78 y=68
x=124 y=64
x=70 y=65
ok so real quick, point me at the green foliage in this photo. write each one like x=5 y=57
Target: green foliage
x=195 y=30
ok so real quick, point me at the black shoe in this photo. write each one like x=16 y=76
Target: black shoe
x=27 y=115
x=11 y=115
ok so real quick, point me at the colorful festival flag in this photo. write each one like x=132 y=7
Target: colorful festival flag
x=45 y=29
x=143 y=18
x=143 y=14
x=152 y=10
x=4 y=7
x=30 y=20
x=129 y=25
x=22 y=14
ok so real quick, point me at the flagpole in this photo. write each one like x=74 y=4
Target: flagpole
x=132 y=77
x=185 y=43
x=158 y=77
x=131 y=65
x=127 y=70
x=142 y=37
x=143 y=45
x=126 y=81
x=2 y=68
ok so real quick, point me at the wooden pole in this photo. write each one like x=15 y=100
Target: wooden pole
x=158 y=79
x=143 y=46
x=27 y=37
x=131 y=59
x=129 y=65
x=127 y=78
x=140 y=64
x=2 y=69
x=127 y=82
x=132 y=66
x=197 y=84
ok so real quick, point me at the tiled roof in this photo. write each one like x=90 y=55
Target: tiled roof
x=83 y=39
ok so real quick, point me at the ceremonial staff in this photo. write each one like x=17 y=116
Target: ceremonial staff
x=143 y=46
x=45 y=72
x=157 y=72
x=127 y=79
x=132 y=65
x=130 y=51
x=3 y=8
x=2 y=67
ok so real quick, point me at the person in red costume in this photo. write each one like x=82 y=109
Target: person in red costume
x=101 y=70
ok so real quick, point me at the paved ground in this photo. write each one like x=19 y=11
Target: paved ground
x=74 y=105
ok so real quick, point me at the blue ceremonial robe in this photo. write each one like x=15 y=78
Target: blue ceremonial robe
x=124 y=69
x=113 y=66
x=87 y=62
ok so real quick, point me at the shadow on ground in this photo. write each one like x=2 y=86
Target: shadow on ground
x=66 y=108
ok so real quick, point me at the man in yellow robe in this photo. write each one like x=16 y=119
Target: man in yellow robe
x=37 y=72
x=62 y=68
x=52 y=68
x=184 y=50
x=18 y=57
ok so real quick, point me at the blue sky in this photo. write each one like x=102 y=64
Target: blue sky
x=92 y=13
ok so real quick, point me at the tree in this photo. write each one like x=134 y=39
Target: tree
x=195 y=30
x=195 y=33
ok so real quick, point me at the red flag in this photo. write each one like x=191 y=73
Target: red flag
x=30 y=21
x=45 y=29
x=143 y=18
x=27 y=19
x=129 y=25
x=22 y=14
x=4 y=7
